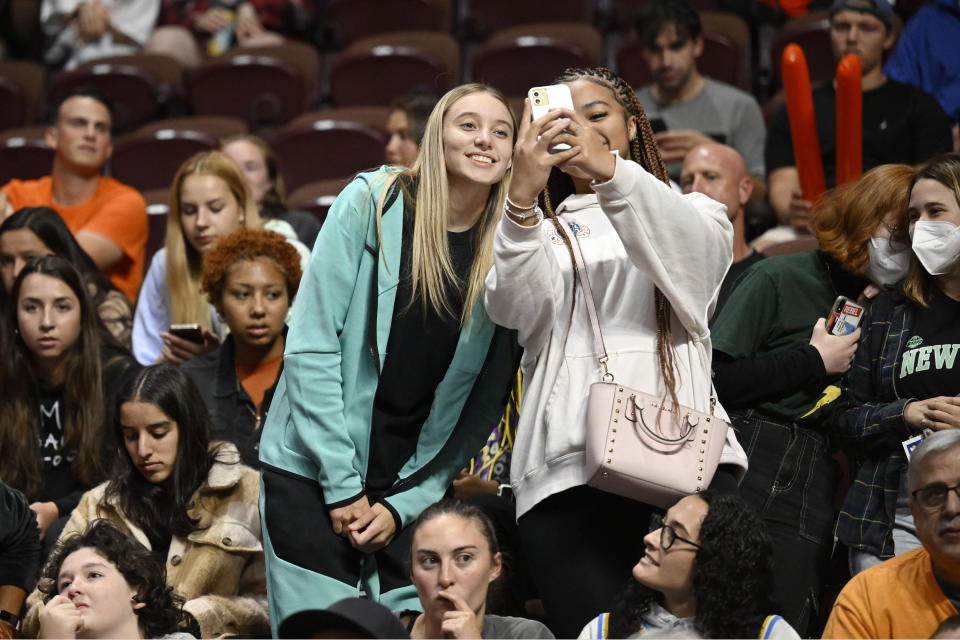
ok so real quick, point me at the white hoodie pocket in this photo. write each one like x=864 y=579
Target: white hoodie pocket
x=565 y=415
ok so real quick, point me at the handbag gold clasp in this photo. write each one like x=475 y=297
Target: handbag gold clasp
x=607 y=376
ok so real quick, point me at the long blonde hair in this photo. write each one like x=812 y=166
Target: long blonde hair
x=432 y=270
x=184 y=263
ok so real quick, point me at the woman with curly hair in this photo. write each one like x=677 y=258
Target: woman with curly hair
x=40 y=231
x=393 y=374
x=655 y=260
x=251 y=278
x=705 y=571
x=188 y=500
x=209 y=200
x=102 y=584
x=773 y=357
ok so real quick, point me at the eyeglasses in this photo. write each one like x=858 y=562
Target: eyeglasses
x=668 y=535
x=934 y=496
x=894 y=229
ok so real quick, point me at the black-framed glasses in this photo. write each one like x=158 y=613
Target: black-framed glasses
x=934 y=496
x=669 y=535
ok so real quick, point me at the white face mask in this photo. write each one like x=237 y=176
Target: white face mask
x=889 y=261
x=937 y=245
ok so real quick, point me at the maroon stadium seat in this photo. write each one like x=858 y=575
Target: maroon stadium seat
x=322 y=149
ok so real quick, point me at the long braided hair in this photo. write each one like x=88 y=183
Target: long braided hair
x=643 y=151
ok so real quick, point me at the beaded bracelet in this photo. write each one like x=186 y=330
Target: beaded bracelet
x=521 y=217
x=514 y=205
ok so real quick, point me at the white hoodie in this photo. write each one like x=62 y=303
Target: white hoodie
x=635 y=234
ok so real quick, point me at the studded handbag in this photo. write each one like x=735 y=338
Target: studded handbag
x=639 y=445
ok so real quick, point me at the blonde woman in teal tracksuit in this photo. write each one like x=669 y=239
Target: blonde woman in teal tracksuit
x=393 y=373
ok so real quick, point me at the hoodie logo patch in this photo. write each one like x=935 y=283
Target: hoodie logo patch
x=581 y=230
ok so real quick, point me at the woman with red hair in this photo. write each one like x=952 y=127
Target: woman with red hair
x=773 y=357
x=903 y=380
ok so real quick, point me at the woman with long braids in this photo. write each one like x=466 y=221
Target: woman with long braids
x=655 y=260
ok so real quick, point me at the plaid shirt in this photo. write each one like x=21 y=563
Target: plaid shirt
x=865 y=417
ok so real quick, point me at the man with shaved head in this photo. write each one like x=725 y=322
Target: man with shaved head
x=718 y=171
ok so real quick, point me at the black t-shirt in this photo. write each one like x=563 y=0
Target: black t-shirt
x=58 y=478
x=419 y=351
x=929 y=365
x=901 y=124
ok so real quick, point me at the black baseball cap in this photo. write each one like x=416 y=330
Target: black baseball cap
x=366 y=618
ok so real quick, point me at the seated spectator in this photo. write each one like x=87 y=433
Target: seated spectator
x=454 y=557
x=901 y=124
x=347 y=618
x=192 y=29
x=903 y=376
x=251 y=278
x=688 y=108
x=101 y=584
x=485 y=483
x=705 y=572
x=773 y=357
x=910 y=595
x=259 y=165
x=190 y=501
x=405 y=126
x=209 y=200
x=717 y=170
x=58 y=375
x=40 y=231
x=19 y=556
x=109 y=219
x=77 y=31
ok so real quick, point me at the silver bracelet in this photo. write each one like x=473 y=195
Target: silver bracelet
x=514 y=205
x=522 y=217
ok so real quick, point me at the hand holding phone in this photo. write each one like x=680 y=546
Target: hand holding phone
x=189 y=331
x=543 y=99
x=835 y=351
x=844 y=317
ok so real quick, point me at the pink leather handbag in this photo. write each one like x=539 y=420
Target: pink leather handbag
x=638 y=445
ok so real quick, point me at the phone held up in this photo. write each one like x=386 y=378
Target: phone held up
x=189 y=331
x=555 y=96
x=845 y=316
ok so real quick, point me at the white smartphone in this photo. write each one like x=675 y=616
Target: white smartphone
x=555 y=96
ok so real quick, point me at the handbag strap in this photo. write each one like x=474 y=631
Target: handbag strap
x=592 y=310
x=588 y=295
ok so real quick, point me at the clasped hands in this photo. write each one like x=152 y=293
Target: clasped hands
x=366 y=528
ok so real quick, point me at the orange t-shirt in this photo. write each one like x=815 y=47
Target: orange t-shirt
x=257 y=382
x=115 y=211
x=898 y=598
